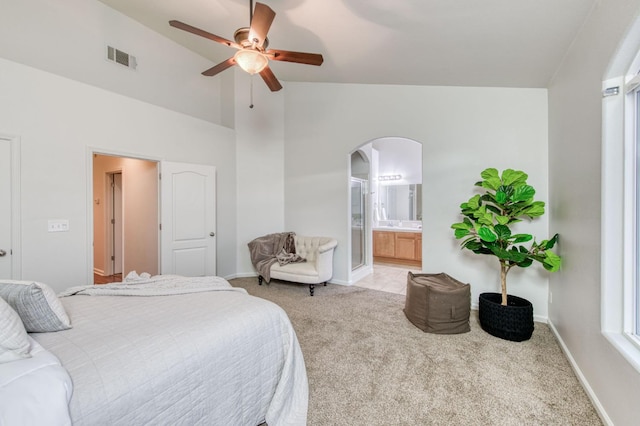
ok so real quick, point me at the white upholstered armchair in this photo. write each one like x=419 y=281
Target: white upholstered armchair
x=318 y=268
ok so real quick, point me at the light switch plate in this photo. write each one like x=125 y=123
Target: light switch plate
x=58 y=225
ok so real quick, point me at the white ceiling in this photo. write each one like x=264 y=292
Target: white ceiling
x=503 y=43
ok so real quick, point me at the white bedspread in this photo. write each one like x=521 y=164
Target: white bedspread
x=205 y=358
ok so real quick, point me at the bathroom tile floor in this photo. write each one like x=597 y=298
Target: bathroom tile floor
x=387 y=277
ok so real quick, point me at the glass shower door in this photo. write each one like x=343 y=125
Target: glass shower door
x=358 y=222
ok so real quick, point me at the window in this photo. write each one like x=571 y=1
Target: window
x=621 y=213
x=634 y=95
x=633 y=308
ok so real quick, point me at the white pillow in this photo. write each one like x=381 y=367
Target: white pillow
x=14 y=344
x=37 y=304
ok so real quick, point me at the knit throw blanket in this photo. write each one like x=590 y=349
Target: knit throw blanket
x=269 y=249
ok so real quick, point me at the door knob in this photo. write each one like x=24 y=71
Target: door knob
x=212 y=234
x=2 y=252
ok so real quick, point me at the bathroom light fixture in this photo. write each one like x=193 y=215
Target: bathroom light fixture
x=389 y=177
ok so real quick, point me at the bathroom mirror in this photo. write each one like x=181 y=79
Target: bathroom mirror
x=401 y=202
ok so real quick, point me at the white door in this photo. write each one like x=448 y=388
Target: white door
x=188 y=219
x=5 y=209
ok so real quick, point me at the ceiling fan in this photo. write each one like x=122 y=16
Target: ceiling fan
x=252 y=42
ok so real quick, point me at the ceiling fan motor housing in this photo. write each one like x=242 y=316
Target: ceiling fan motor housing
x=241 y=36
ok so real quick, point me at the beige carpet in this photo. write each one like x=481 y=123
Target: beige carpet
x=368 y=365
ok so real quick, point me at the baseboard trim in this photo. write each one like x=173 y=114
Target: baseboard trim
x=602 y=413
x=255 y=275
x=241 y=275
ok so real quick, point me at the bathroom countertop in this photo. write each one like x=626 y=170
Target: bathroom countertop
x=396 y=229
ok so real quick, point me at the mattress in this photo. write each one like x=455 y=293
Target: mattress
x=207 y=358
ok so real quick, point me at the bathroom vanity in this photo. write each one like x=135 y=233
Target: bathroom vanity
x=397 y=245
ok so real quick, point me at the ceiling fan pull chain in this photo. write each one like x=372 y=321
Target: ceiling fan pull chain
x=251 y=92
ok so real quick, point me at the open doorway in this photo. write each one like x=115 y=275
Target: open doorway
x=125 y=217
x=393 y=208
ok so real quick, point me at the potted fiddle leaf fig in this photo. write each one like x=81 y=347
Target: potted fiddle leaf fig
x=487 y=229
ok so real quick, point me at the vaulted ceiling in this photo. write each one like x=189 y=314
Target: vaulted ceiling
x=496 y=43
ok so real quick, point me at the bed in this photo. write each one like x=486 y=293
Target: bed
x=190 y=351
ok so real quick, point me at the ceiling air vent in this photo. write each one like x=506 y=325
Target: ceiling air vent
x=120 y=57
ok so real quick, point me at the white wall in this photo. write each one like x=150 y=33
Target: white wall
x=69 y=38
x=400 y=156
x=260 y=164
x=58 y=122
x=463 y=131
x=575 y=139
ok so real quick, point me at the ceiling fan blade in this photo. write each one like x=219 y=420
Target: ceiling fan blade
x=263 y=16
x=220 y=67
x=202 y=33
x=271 y=80
x=297 y=57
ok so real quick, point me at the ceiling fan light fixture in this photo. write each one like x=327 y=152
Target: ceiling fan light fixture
x=250 y=60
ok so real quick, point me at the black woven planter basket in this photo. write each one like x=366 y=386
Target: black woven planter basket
x=512 y=322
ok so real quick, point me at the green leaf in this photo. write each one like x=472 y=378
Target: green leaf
x=525 y=263
x=473 y=244
x=493 y=209
x=459 y=233
x=502 y=220
x=491 y=178
x=486 y=234
x=502 y=231
x=486 y=219
x=489 y=173
x=517 y=257
x=500 y=252
x=521 y=238
x=501 y=197
x=507 y=189
x=512 y=255
x=471 y=238
x=552 y=261
x=474 y=202
x=535 y=209
x=479 y=211
x=461 y=225
x=552 y=242
x=512 y=177
x=523 y=193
